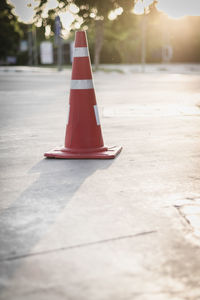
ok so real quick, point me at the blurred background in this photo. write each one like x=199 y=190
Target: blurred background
x=41 y=32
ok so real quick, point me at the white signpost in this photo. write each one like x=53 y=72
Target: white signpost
x=46 y=53
x=23 y=45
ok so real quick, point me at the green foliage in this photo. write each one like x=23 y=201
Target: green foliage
x=154 y=32
x=99 y=8
x=10 y=32
x=185 y=39
x=122 y=37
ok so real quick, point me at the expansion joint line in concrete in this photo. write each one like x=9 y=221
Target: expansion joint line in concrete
x=77 y=246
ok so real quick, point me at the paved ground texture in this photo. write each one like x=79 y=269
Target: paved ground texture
x=120 y=229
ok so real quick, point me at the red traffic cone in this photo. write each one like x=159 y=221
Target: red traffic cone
x=83 y=132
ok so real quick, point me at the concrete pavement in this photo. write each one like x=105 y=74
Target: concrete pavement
x=92 y=229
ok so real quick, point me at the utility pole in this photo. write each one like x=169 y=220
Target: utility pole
x=167 y=51
x=30 y=46
x=35 y=52
x=59 y=53
x=58 y=42
x=143 y=48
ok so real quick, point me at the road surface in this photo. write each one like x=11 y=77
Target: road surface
x=118 y=229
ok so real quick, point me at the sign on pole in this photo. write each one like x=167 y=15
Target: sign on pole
x=167 y=53
x=71 y=51
x=23 y=45
x=58 y=42
x=57 y=29
x=46 y=53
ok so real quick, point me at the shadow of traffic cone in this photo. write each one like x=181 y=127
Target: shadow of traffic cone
x=83 y=132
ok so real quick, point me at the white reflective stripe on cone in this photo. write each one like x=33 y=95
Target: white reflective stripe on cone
x=81 y=52
x=96 y=114
x=68 y=110
x=82 y=84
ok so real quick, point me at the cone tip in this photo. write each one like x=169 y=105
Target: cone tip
x=80 y=39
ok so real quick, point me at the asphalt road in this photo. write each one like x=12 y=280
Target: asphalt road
x=120 y=229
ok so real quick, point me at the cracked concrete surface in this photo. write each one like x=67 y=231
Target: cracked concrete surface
x=95 y=229
x=190 y=210
x=77 y=246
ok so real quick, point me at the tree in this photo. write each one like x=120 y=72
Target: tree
x=10 y=31
x=122 y=39
x=154 y=33
x=93 y=13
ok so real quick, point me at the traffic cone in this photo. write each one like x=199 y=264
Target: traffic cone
x=83 y=131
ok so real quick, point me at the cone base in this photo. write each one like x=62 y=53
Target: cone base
x=109 y=153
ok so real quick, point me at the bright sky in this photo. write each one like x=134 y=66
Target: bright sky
x=174 y=8
x=26 y=13
x=179 y=8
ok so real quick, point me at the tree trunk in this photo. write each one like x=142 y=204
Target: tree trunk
x=143 y=50
x=98 y=42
